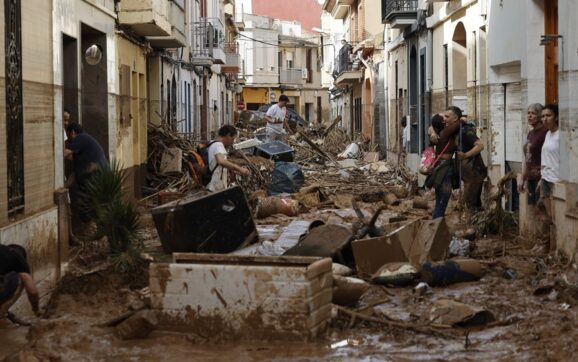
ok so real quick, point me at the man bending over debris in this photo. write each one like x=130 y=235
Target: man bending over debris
x=218 y=159
x=14 y=277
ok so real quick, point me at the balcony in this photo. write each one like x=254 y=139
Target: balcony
x=346 y=71
x=208 y=42
x=144 y=17
x=232 y=59
x=338 y=8
x=399 y=13
x=176 y=37
x=292 y=76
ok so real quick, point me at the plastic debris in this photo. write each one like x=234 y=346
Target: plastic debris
x=422 y=289
x=350 y=152
x=287 y=177
x=459 y=247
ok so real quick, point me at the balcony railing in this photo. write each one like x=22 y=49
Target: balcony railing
x=292 y=76
x=343 y=63
x=390 y=7
x=208 y=38
x=232 y=59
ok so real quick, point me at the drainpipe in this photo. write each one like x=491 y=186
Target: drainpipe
x=429 y=64
x=162 y=87
x=386 y=90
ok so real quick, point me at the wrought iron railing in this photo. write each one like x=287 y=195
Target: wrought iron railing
x=207 y=35
x=14 y=109
x=345 y=61
x=233 y=59
x=391 y=6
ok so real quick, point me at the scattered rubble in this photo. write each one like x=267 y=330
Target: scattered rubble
x=140 y=325
x=391 y=278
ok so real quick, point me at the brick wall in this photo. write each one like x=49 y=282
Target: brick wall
x=238 y=300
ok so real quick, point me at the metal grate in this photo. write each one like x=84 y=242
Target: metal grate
x=393 y=6
x=207 y=35
x=14 y=116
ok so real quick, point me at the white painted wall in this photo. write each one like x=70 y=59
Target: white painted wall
x=67 y=18
x=506 y=31
x=568 y=89
x=260 y=59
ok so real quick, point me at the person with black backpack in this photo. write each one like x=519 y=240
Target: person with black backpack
x=218 y=165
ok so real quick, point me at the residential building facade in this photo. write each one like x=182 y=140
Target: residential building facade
x=116 y=66
x=278 y=57
x=356 y=67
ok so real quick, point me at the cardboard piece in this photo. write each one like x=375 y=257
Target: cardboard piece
x=450 y=313
x=172 y=159
x=371 y=157
x=415 y=241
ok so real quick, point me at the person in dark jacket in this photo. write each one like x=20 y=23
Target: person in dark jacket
x=473 y=171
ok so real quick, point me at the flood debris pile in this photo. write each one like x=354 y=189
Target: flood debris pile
x=167 y=159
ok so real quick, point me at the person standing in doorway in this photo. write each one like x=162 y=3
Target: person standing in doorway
x=531 y=165
x=218 y=163
x=86 y=153
x=88 y=158
x=276 y=117
x=550 y=165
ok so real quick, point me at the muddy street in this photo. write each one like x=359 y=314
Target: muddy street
x=330 y=257
x=531 y=297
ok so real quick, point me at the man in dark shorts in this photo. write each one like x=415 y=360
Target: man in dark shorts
x=14 y=277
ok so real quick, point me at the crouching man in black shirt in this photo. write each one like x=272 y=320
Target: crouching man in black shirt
x=14 y=278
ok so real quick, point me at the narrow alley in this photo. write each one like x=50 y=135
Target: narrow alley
x=257 y=180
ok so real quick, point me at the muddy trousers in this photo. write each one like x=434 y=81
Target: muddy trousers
x=473 y=194
x=443 y=194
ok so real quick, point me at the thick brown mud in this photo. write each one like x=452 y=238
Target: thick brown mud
x=532 y=327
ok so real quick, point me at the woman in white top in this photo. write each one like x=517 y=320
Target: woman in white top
x=550 y=164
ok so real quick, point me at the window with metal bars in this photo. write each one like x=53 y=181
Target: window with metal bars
x=14 y=113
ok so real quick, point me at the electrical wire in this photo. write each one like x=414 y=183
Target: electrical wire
x=278 y=45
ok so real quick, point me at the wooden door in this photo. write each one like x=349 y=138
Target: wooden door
x=551 y=50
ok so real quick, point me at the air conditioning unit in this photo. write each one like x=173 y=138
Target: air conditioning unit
x=304 y=73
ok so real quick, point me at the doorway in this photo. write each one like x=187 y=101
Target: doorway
x=413 y=100
x=309 y=112
x=95 y=88
x=319 y=111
